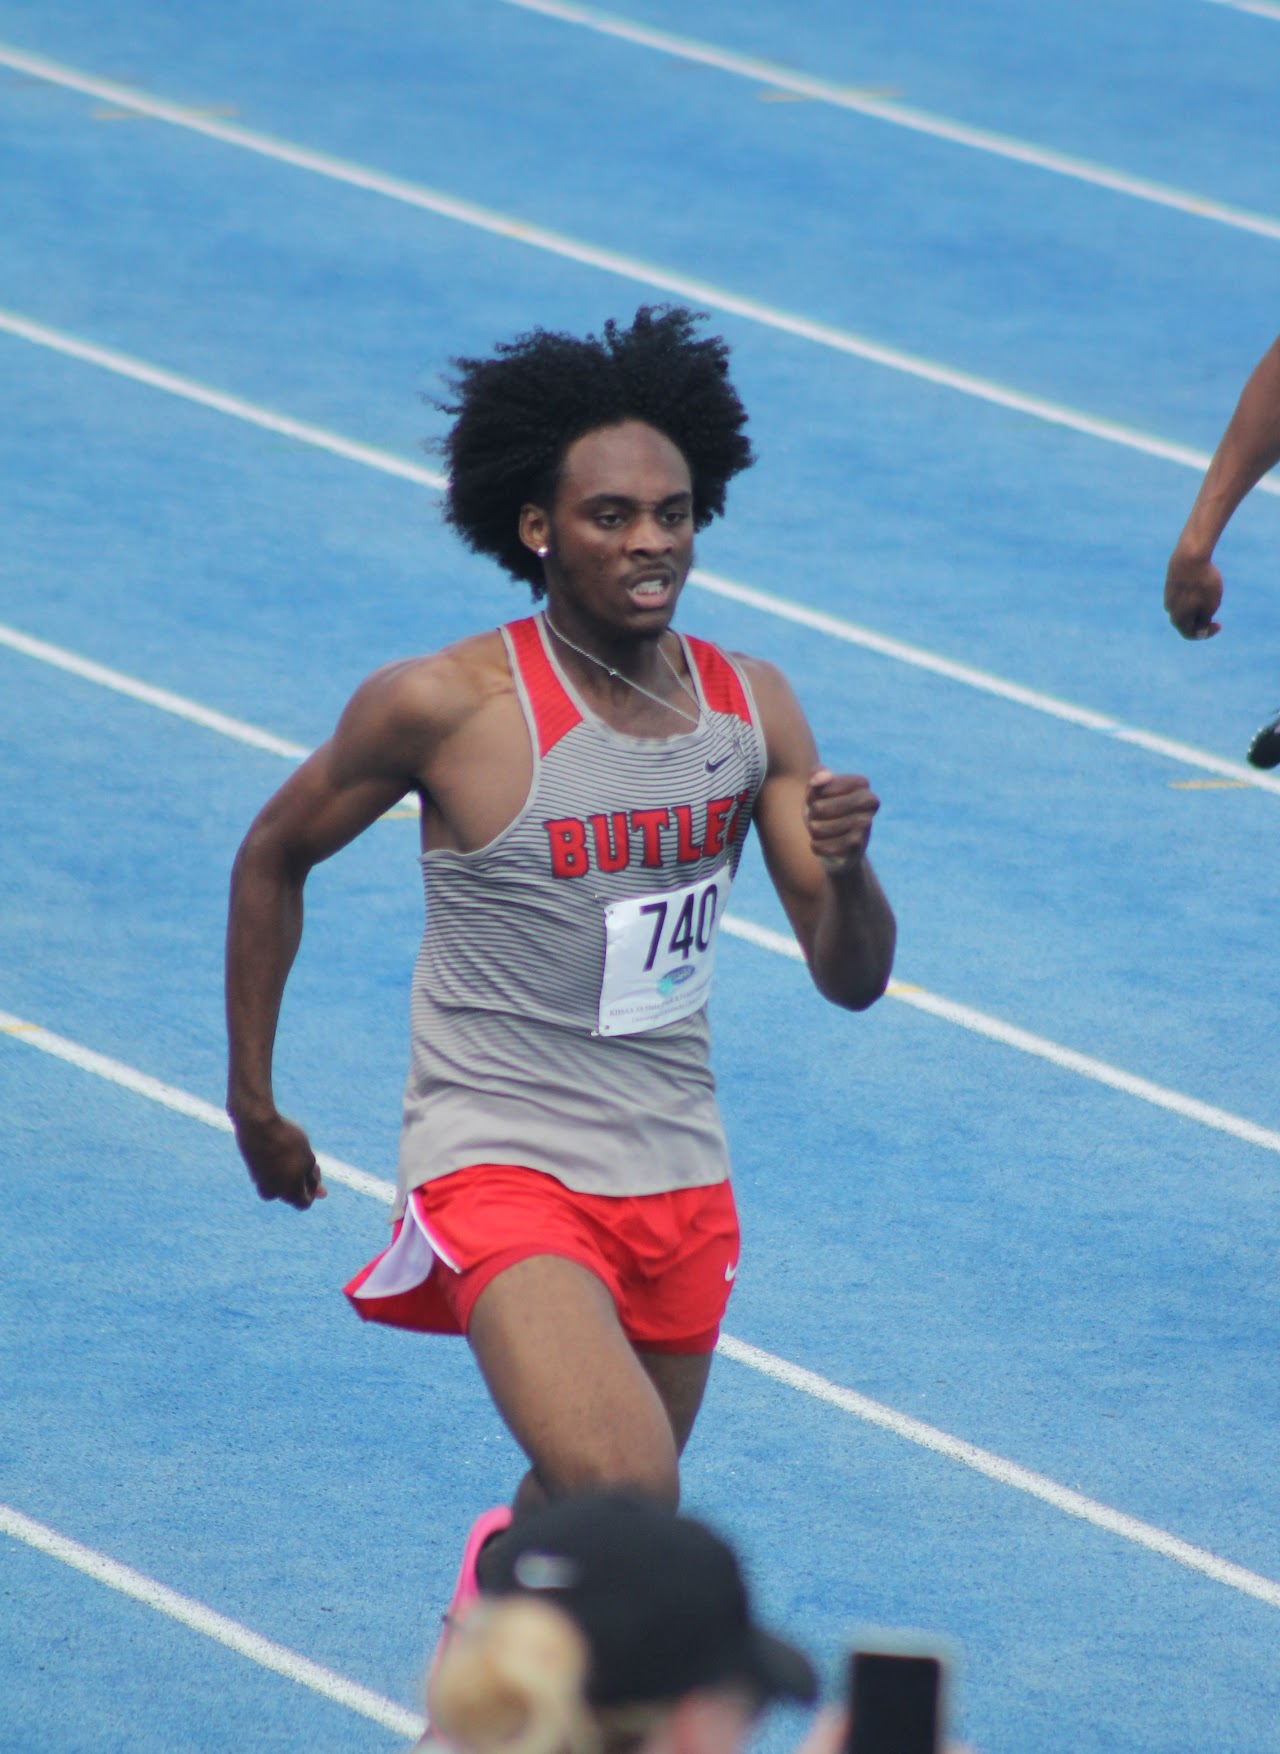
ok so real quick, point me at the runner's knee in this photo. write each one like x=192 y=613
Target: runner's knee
x=653 y=1472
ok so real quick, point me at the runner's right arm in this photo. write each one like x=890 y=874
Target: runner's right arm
x=1248 y=448
x=373 y=758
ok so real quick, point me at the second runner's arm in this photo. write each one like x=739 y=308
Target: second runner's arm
x=814 y=826
x=1248 y=448
x=362 y=771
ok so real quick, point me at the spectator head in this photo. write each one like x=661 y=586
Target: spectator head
x=609 y=1625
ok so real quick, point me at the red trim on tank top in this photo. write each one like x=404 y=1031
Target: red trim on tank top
x=554 y=714
x=721 y=685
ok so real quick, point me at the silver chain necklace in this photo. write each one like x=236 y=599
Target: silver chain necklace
x=694 y=718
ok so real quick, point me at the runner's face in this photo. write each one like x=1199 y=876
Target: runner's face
x=621 y=530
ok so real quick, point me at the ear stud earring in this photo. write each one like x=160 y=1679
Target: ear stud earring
x=542 y=553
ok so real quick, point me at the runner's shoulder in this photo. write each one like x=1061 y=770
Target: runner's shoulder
x=769 y=684
x=787 y=736
x=434 y=694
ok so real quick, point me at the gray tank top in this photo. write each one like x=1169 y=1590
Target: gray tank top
x=519 y=990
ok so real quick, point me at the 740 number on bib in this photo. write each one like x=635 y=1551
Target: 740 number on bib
x=689 y=932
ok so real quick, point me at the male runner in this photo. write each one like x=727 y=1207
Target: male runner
x=1247 y=449
x=587 y=780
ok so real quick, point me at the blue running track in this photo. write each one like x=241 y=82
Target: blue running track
x=992 y=284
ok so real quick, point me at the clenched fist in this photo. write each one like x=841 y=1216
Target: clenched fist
x=1192 y=595
x=280 y=1160
x=838 y=811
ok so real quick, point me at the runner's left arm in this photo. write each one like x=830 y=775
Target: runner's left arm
x=814 y=826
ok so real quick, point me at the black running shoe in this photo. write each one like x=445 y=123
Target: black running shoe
x=1264 y=751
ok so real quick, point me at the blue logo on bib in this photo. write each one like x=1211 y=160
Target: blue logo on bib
x=673 y=978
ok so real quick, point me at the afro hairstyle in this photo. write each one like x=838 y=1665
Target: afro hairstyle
x=516 y=414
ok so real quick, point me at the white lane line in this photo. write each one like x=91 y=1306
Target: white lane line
x=699 y=292
x=965 y=1017
x=1006 y=1473
x=169 y=1096
x=264 y=1651
x=1185 y=754
x=780 y=1370
x=126 y=365
x=1259 y=8
x=920 y=659
x=900 y=115
x=767 y=602
x=162 y=698
x=182 y=1102
x=1221 y=1120
x=852 y=634
x=1235 y=771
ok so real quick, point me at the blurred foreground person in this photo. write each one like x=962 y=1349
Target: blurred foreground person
x=609 y=1625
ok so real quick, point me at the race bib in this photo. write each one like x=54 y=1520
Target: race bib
x=658 y=953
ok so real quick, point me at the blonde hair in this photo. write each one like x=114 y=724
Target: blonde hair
x=511 y=1682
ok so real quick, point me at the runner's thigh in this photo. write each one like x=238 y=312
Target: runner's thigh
x=567 y=1382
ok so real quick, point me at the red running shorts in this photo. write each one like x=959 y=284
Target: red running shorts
x=668 y=1260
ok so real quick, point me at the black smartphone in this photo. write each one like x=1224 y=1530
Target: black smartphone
x=897 y=1699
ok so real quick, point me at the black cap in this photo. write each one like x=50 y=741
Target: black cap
x=658 y=1597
